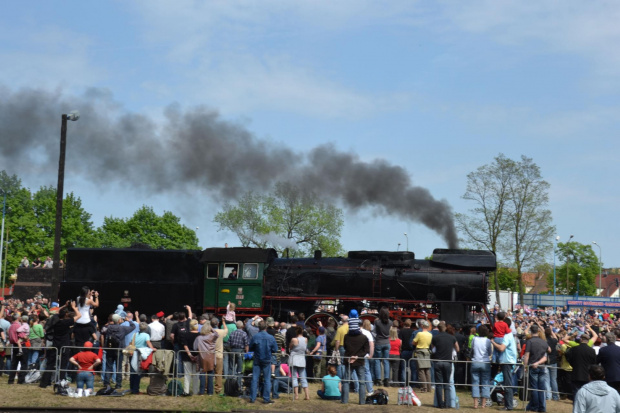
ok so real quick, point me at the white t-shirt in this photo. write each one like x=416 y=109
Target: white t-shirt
x=84 y=312
x=157 y=331
x=369 y=336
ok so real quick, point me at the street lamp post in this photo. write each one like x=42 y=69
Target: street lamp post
x=398 y=247
x=569 y=238
x=600 y=267
x=555 y=246
x=2 y=276
x=510 y=298
x=73 y=116
x=578 y=277
x=406 y=236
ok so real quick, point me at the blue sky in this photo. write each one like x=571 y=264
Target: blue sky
x=438 y=88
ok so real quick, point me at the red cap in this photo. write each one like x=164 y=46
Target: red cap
x=160 y=314
x=88 y=344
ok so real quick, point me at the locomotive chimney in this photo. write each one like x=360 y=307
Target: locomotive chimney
x=318 y=254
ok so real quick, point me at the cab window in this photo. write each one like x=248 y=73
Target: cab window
x=250 y=271
x=213 y=270
x=231 y=271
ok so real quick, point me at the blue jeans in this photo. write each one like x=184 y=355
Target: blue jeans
x=264 y=368
x=551 y=382
x=406 y=356
x=206 y=382
x=301 y=371
x=85 y=378
x=538 y=389
x=382 y=352
x=235 y=363
x=33 y=357
x=443 y=371
x=345 y=385
x=367 y=376
x=114 y=365
x=179 y=361
x=480 y=379
x=340 y=369
x=322 y=395
x=134 y=377
x=508 y=385
x=280 y=384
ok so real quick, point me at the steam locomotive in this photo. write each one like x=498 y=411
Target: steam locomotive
x=452 y=283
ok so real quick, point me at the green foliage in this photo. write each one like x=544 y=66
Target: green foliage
x=146 y=227
x=506 y=278
x=577 y=259
x=289 y=217
x=30 y=223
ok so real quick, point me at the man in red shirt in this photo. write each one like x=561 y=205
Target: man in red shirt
x=15 y=359
x=86 y=361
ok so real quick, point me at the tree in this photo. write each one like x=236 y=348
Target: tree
x=287 y=218
x=488 y=187
x=504 y=277
x=528 y=217
x=146 y=227
x=578 y=259
x=510 y=215
x=77 y=229
x=30 y=222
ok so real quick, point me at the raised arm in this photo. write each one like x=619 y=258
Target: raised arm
x=94 y=302
x=75 y=311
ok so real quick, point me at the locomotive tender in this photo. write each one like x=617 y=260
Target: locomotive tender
x=451 y=283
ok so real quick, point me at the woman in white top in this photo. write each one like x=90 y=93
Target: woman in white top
x=83 y=330
x=297 y=362
x=481 y=367
x=85 y=301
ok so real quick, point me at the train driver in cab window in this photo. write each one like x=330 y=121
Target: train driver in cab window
x=233 y=274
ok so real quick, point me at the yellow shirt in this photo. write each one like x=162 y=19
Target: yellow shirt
x=423 y=340
x=564 y=364
x=340 y=333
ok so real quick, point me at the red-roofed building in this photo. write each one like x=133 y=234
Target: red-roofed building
x=609 y=284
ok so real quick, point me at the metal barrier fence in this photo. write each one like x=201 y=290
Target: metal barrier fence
x=212 y=382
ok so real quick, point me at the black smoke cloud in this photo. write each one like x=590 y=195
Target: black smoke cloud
x=195 y=150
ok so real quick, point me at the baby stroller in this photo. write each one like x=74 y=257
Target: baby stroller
x=498 y=391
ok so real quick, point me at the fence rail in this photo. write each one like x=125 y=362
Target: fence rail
x=347 y=373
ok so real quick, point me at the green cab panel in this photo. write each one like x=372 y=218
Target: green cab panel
x=238 y=283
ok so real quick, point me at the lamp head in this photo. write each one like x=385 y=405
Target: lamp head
x=557 y=238
x=73 y=115
x=570 y=238
x=594 y=242
x=405 y=234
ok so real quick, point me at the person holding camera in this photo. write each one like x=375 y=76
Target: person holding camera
x=84 y=329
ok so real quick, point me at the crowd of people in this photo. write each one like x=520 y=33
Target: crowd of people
x=37 y=263
x=555 y=353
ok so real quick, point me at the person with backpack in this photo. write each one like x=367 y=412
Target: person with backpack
x=114 y=341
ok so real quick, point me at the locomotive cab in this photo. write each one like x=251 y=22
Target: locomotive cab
x=235 y=275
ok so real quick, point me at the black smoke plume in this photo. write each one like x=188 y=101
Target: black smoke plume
x=195 y=150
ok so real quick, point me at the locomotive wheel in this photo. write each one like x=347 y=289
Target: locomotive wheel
x=313 y=320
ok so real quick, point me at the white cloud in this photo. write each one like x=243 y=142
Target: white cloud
x=47 y=56
x=586 y=29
